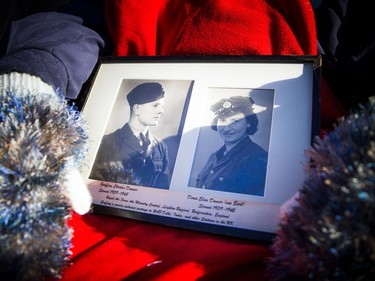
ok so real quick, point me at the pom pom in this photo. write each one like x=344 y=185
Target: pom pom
x=330 y=233
x=42 y=140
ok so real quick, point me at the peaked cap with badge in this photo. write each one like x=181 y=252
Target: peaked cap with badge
x=232 y=105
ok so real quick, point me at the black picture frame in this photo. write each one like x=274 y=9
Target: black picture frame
x=286 y=93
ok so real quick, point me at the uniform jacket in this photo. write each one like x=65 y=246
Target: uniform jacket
x=121 y=159
x=241 y=170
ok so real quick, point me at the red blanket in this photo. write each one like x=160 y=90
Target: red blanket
x=108 y=248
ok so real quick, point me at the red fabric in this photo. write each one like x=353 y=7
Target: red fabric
x=236 y=27
x=109 y=248
x=331 y=108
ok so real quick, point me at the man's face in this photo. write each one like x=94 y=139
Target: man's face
x=150 y=113
x=232 y=128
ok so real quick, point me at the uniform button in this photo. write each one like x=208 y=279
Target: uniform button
x=212 y=172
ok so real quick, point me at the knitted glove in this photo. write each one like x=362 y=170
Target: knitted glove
x=327 y=229
x=43 y=143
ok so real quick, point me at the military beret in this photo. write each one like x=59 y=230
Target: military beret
x=231 y=105
x=145 y=93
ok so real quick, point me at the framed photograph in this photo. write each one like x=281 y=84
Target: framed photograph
x=213 y=144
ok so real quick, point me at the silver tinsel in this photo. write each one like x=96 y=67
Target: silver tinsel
x=330 y=233
x=41 y=140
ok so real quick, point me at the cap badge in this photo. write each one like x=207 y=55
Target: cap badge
x=227 y=104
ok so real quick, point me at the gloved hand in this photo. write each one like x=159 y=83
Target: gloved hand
x=55 y=47
x=43 y=143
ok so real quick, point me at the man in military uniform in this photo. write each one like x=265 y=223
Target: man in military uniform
x=240 y=164
x=131 y=154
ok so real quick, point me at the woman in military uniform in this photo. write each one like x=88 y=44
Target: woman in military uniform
x=240 y=164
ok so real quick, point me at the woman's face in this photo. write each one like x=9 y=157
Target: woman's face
x=232 y=128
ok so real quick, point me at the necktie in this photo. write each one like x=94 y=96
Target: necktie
x=144 y=142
